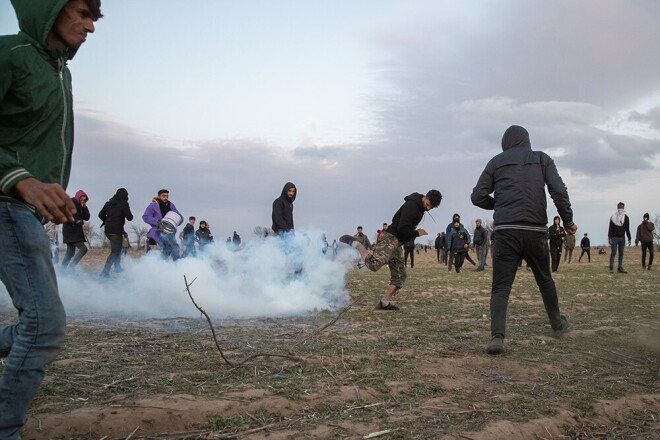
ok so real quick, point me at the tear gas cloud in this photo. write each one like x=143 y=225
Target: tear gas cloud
x=264 y=278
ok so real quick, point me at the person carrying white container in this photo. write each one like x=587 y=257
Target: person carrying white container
x=164 y=218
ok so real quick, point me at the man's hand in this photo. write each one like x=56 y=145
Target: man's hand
x=50 y=199
x=421 y=232
x=610 y=241
x=570 y=230
x=465 y=246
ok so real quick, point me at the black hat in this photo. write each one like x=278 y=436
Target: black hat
x=434 y=197
x=646 y=216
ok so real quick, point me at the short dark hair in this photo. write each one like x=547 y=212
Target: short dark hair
x=191 y=218
x=621 y=203
x=359 y=227
x=434 y=197
x=95 y=8
x=163 y=191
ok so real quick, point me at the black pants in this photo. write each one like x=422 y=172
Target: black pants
x=437 y=251
x=467 y=257
x=555 y=255
x=459 y=259
x=410 y=252
x=510 y=247
x=71 y=251
x=588 y=252
x=647 y=245
x=115 y=253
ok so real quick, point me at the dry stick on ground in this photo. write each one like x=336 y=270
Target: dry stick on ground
x=215 y=338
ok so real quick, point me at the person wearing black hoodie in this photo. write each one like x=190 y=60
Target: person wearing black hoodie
x=585 y=244
x=283 y=210
x=517 y=177
x=72 y=232
x=556 y=234
x=388 y=251
x=114 y=214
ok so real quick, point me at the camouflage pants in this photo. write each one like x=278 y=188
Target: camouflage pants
x=388 y=252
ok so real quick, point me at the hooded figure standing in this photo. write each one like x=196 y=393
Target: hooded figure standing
x=556 y=234
x=36 y=142
x=73 y=233
x=114 y=214
x=388 y=251
x=518 y=177
x=616 y=234
x=283 y=209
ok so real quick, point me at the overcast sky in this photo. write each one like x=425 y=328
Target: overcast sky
x=361 y=103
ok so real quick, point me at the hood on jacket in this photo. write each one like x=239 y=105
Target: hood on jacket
x=416 y=197
x=286 y=189
x=120 y=196
x=36 y=17
x=79 y=194
x=455 y=218
x=515 y=136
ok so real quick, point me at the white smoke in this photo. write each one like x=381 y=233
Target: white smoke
x=264 y=278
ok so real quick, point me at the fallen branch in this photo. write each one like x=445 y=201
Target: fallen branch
x=217 y=344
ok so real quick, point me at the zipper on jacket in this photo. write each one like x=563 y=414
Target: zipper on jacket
x=60 y=67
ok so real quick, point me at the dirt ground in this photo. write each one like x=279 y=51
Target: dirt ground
x=420 y=372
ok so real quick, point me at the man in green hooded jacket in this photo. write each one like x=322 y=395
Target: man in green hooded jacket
x=36 y=141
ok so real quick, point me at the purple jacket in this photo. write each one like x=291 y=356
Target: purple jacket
x=151 y=216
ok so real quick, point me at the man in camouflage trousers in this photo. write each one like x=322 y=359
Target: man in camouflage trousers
x=389 y=250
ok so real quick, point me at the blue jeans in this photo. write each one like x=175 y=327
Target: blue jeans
x=619 y=242
x=27 y=272
x=170 y=246
x=481 y=256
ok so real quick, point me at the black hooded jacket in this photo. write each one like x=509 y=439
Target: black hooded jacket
x=517 y=177
x=283 y=210
x=115 y=212
x=406 y=219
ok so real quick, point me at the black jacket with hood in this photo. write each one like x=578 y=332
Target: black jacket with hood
x=517 y=177
x=283 y=210
x=115 y=212
x=406 y=219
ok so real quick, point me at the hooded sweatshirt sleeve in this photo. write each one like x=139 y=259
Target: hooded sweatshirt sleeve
x=481 y=192
x=557 y=190
x=407 y=222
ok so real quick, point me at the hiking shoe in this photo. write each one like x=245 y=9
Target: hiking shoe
x=621 y=270
x=496 y=345
x=390 y=306
x=347 y=239
x=558 y=333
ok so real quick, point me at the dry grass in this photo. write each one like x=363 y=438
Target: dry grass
x=420 y=372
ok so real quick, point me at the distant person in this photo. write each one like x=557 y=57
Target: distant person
x=517 y=177
x=556 y=234
x=283 y=210
x=236 y=239
x=388 y=251
x=585 y=245
x=73 y=234
x=188 y=238
x=438 y=245
x=204 y=236
x=449 y=228
x=379 y=233
x=362 y=238
x=480 y=241
x=409 y=251
x=334 y=248
x=324 y=244
x=616 y=235
x=114 y=214
x=163 y=232
x=645 y=236
x=569 y=246
x=458 y=241
x=36 y=145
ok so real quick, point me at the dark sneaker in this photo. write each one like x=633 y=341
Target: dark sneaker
x=479 y=269
x=390 y=306
x=496 y=345
x=347 y=239
x=611 y=270
x=558 y=333
x=621 y=270
x=649 y=268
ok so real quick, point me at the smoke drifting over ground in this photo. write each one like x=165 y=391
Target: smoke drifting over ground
x=265 y=278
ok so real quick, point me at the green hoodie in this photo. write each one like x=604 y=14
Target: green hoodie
x=36 y=117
